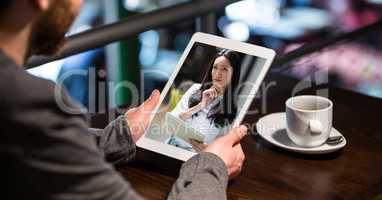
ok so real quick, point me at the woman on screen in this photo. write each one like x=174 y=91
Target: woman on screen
x=209 y=107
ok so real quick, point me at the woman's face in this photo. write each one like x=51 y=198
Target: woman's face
x=221 y=72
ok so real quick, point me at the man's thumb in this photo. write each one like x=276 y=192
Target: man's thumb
x=152 y=101
x=236 y=134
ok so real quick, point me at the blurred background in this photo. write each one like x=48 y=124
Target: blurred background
x=92 y=77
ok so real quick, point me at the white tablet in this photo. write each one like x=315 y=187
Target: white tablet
x=209 y=92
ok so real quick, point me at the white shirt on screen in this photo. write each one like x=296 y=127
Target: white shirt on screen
x=200 y=121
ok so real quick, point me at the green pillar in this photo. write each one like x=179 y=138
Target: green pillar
x=122 y=60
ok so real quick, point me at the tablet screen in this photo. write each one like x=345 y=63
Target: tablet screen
x=206 y=97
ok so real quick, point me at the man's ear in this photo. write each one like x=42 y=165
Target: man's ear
x=42 y=5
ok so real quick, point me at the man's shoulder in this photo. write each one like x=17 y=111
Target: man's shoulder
x=18 y=87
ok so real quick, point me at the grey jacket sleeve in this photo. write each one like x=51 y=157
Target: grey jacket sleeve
x=115 y=141
x=204 y=176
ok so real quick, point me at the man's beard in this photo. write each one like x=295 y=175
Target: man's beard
x=48 y=33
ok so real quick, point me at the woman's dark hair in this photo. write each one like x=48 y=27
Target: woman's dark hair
x=225 y=111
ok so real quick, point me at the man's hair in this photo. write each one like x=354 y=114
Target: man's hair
x=4 y=4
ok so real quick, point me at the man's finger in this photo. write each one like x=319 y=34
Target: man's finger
x=150 y=104
x=239 y=152
x=131 y=111
x=236 y=134
x=235 y=171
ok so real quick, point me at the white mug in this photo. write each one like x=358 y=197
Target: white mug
x=309 y=120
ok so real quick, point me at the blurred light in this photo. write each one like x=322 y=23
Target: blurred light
x=149 y=49
x=237 y=31
x=131 y=4
x=223 y=22
x=338 y=6
x=262 y=13
x=375 y=1
x=308 y=18
x=48 y=71
x=79 y=29
x=370 y=89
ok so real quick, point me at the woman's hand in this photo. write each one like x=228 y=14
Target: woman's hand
x=209 y=95
x=228 y=148
x=138 y=118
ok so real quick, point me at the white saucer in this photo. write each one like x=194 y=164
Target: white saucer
x=273 y=129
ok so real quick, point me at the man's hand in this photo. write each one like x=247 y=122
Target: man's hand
x=138 y=118
x=228 y=148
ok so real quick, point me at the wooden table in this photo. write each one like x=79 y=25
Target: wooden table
x=272 y=173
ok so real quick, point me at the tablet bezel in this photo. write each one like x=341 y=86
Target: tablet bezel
x=219 y=42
